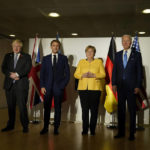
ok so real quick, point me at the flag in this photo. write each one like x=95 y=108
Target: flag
x=142 y=100
x=35 y=95
x=135 y=45
x=111 y=100
x=57 y=38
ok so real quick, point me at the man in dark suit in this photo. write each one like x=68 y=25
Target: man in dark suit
x=127 y=80
x=16 y=66
x=54 y=76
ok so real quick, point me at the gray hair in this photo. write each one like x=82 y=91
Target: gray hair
x=128 y=36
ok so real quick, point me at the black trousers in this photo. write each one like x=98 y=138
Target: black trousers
x=57 y=106
x=89 y=101
x=126 y=94
x=17 y=96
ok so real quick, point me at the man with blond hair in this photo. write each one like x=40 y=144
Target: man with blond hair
x=16 y=66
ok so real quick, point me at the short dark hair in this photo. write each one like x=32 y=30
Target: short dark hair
x=57 y=41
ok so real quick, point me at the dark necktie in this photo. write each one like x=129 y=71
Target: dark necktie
x=54 y=60
x=54 y=63
x=54 y=66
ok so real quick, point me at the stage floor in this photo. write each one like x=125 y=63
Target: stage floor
x=70 y=138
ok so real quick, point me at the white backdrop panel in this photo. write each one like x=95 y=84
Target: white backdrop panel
x=74 y=48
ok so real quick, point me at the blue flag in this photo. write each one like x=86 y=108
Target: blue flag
x=57 y=38
x=135 y=44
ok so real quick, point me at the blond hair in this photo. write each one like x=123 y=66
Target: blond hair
x=90 y=47
x=18 y=41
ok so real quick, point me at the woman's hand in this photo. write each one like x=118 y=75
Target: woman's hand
x=88 y=75
x=91 y=75
x=85 y=75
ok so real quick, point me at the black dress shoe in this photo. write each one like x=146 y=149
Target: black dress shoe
x=119 y=136
x=92 y=133
x=56 y=132
x=44 y=131
x=25 y=130
x=7 y=129
x=131 y=138
x=84 y=133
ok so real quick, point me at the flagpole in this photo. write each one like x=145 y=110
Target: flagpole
x=35 y=120
x=113 y=124
x=112 y=50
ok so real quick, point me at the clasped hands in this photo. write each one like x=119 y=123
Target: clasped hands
x=88 y=75
x=13 y=75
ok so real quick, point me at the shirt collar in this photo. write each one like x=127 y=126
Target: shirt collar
x=55 y=54
x=18 y=54
x=128 y=50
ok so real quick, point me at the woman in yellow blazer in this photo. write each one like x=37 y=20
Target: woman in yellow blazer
x=90 y=72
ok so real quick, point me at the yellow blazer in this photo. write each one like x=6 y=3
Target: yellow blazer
x=96 y=67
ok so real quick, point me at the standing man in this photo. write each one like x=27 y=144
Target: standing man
x=16 y=66
x=126 y=80
x=54 y=76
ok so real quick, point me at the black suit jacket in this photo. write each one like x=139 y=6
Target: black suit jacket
x=23 y=67
x=132 y=72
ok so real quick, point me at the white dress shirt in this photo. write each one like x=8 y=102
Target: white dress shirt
x=53 y=57
x=17 y=56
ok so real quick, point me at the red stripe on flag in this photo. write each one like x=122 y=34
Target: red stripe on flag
x=109 y=70
x=32 y=95
x=33 y=74
x=34 y=48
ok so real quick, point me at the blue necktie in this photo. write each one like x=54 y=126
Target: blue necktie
x=125 y=59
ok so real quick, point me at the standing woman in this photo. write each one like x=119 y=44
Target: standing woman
x=90 y=71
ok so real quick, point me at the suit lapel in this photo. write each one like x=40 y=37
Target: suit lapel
x=121 y=58
x=59 y=60
x=50 y=59
x=19 y=59
x=11 y=61
x=49 y=62
x=131 y=55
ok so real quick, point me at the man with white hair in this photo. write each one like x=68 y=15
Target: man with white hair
x=126 y=80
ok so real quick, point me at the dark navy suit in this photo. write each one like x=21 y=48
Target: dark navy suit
x=126 y=81
x=54 y=83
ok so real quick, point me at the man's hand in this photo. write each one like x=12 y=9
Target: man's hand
x=43 y=90
x=13 y=75
x=114 y=88
x=17 y=78
x=136 y=90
